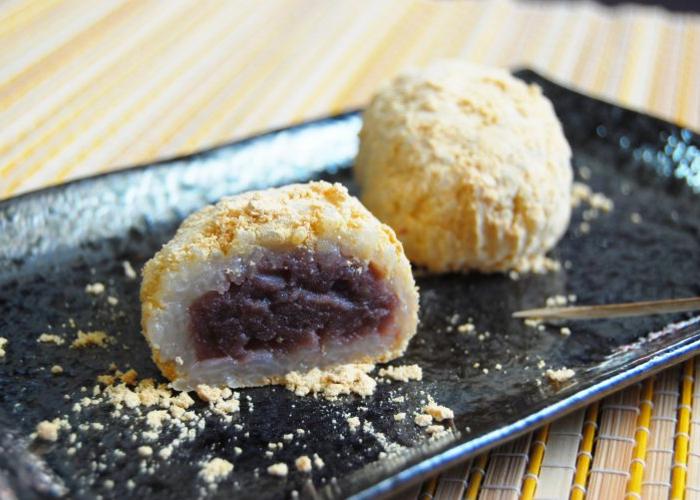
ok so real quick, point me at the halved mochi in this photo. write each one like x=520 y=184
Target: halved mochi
x=273 y=281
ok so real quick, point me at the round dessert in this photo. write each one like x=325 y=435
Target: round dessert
x=468 y=165
x=274 y=281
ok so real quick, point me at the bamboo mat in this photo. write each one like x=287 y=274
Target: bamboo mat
x=91 y=86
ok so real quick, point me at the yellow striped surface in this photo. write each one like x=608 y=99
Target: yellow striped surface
x=92 y=86
x=87 y=87
x=634 y=485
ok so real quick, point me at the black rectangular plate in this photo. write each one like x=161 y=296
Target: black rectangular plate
x=55 y=241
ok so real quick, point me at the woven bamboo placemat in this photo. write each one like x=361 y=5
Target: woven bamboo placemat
x=91 y=86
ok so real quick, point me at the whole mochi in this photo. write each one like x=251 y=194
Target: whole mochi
x=469 y=165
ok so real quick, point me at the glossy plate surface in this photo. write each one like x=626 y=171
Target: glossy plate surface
x=54 y=242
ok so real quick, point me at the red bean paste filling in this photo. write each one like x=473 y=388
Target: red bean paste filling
x=291 y=300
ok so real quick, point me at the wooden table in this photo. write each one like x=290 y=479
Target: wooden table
x=91 y=86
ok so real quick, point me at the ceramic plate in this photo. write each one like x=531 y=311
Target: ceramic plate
x=55 y=241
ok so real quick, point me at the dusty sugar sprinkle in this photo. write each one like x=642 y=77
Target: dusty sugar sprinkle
x=423 y=420
x=95 y=288
x=438 y=412
x=303 y=464
x=561 y=375
x=48 y=430
x=278 y=469
x=215 y=470
x=50 y=338
x=97 y=338
x=128 y=270
x=318 y=462
x=402 y=373
x=353 y=423
x=331 y=383
x=145 y=451
x=582 y=193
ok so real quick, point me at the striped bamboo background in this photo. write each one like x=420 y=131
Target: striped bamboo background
x=90 y=86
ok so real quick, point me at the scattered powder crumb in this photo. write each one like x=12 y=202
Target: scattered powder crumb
x=237 y=450
x=565 y=331
x=541 y=364
x=532 y=322
x=149 y=435
x=598 y=202
x=402 y=373
x=208 y=393
x=560 y=375
x=423 y=420
x=438 y=412
x=400 y=416
x=48 y=429
x=318 y=462
x=165 y=452
x=582 y=193
x=435 y=430
x=498 y=366
x=465 y=328
x=105 y=379
x=3 y=343
x=354 y=423
x=601 y=202
x=112 y=301
x=129 y=377
x=128 y=270
x=97 y=338
x=584 y=172
x=56 y=369
x=635 y=218
x=221 y=401
x=155 y=418
x=226 y=407
x=486 y=371
x=95 y=288
x=215 y=470
x=51 y=338
x=398 y=399
x=182 y=400
x=331 y=383
x=279 y=469
x=179 y=361
x=557 y=301
x=288 y=437
x=537 y=264
x=303 y=464
x=145 y=451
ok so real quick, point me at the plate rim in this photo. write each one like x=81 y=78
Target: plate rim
x=684 y=349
